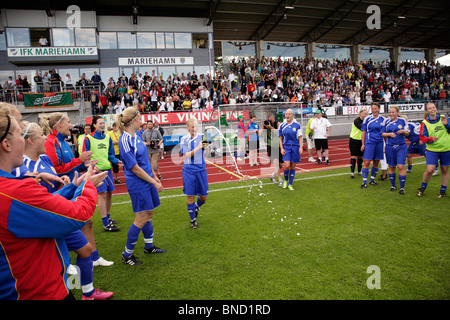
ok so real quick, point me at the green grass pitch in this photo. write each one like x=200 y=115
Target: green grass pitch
x=257 y=241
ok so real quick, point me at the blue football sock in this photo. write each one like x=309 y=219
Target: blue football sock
x=200 y=202
x=365 y=174
x=147 y=230
x=132 y=238
x=424 y=185
x=286 y=174
x=291 y=176
x=373 y=173
x=105 y=221
x=392 y=177
x=409 y=166
x=443 y=189
x=85 y=267
x=402 y=181
x=191 y=210
x=95 y=256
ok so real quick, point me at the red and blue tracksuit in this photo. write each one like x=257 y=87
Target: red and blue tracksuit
x=60 y=152
x=33 y=223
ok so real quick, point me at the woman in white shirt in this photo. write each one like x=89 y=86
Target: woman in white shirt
x=169 y=104
x=195 y=104
x=161 y=105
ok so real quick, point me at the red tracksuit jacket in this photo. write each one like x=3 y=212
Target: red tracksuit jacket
x=33 y=222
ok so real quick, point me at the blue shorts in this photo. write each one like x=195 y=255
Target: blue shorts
x=195 y=183
x=75 y=240
x=417 y=149
x=374 y=151
x=433 y=158
x=108 y=184
x=145 y=200
x=292 y=154
x=396 y=155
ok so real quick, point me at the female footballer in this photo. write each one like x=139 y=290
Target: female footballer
x=35 y=256
x=355 y=143
x=195 y=179
x=372 y=144
x=103 y=151
x=57 y=125
x=435 y=132
x=291 y=145
x=395 y=131
x=35 y=160
x=142 y=186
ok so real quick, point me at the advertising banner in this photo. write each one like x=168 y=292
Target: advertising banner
x=48 y=99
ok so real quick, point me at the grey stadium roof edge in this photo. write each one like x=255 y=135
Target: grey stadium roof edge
x=405 y=23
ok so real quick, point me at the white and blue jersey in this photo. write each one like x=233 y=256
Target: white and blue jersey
x=74 y=240
x=195 y=178
x=42 y=165
x=133 y=151
x=374 y=129
x=290 y=133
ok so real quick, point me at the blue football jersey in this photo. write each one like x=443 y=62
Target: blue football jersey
x=290 y=133
x=414 y=132
x=374 y=127
x=133 y=151
x=394 y=126
x=187 y=144
x=42 y=165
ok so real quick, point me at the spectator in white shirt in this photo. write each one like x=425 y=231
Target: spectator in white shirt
x=322 y=129
x=43 y=41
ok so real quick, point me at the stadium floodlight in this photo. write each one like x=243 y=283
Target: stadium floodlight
x=289 y=7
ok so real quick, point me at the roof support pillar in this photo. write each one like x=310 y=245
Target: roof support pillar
x=430 y=54
x=355 y=53
x=311 y=50
x=395 y=54
x=259 y=47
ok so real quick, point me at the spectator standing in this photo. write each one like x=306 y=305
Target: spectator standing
x=43 y=42
x=271 y=126
x=94 y=100
x=322 y=129
x=39 y=84
x=153 y=139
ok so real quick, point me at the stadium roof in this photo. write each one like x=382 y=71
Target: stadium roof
x=406 y=23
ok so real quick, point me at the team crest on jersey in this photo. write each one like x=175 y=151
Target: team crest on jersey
x=294 y=129
x=399 y=126
x=54 y=170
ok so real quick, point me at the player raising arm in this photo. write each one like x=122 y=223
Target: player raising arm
x=435 y=132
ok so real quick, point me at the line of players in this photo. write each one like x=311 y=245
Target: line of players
x=375 y=139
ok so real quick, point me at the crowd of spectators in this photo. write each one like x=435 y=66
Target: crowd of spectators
x=307 y=81
x=338 y=82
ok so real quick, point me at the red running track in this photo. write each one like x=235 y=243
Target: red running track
x=226 y=171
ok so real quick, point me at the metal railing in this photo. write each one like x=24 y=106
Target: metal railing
x=15 y=94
